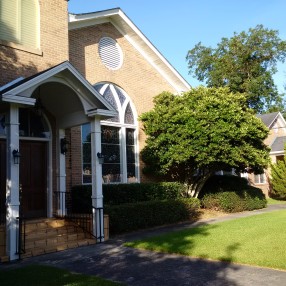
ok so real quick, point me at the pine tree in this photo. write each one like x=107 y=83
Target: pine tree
x=278 y=179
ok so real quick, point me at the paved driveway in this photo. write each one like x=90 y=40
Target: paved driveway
x=113 y=261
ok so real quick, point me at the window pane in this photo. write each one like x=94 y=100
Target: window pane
x=29 y=23
x=128 y=118
x=31 y=124
x=9 y=20
x=85 y=133
x=130 y=136
x=110 y=135
x=130 y=151
x=111 y=173
x=86 y=171
x=111 y=153
x=86 y=153
x=131 y=178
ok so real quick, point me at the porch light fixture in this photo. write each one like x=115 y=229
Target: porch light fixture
x=100 y=157
x=64 y=146
x=16 y=156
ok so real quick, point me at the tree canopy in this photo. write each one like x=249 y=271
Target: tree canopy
x=245 y=63
x=191 y=136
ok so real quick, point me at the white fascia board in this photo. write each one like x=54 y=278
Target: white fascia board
x=277 y=153
x=11 y=83
x=38 y=79
x=84 y=20
x=54 y=72
x=102 y=113
x=153 y=48
x=7 y=97
x=282 y=118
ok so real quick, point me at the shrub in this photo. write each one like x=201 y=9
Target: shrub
x=134 y=216
x=231 y=194
x=278 y=182
x=140 y=192
x=116 y=194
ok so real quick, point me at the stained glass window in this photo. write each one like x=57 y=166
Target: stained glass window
x=128 y=117
x=118 y=140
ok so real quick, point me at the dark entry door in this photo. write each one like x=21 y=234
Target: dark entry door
x=33 y=178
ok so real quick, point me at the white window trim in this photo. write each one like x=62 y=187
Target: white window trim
x=259 y=180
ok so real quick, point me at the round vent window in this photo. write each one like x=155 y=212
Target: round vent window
x=110 y=53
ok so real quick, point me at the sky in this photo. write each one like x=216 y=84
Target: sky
x=175 y=26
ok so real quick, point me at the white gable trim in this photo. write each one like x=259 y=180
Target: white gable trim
x=22 y=92
x=136 y=38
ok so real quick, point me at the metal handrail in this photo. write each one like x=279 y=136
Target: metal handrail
x=21 y=236
x=81 y=220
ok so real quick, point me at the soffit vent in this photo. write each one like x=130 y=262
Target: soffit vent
x=110 y=53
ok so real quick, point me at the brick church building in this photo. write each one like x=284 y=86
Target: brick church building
x=71 y=90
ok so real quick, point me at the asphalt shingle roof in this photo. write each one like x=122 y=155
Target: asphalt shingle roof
x=278 y=144
x=267 y=118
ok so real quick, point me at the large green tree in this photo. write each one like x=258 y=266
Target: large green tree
x=245 y=63
x=191 y=136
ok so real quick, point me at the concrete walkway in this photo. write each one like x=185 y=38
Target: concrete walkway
x=113 y=261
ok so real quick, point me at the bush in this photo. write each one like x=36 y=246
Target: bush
x=231 y=194
x=217 y=183
x=140 y=192
x=278 y=182
x=134 y=216
x=116 y=194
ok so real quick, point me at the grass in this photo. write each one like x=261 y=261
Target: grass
x=271 y=201
x=256 y=240
x=46 y=276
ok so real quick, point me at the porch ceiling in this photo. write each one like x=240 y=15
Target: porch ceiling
x=63 y=92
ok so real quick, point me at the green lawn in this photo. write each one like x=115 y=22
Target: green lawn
x=274 y=202
x=36 y=275
x=256 y=240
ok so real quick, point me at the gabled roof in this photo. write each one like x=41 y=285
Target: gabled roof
x=131 y=32
x=278 y=144
x=269 y=118
x=93 y=104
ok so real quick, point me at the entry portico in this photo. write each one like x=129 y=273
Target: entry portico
x=61 y=98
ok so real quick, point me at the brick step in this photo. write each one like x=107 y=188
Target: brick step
x=51 y=232
x=54 y=239
x=37 y=225
x=52 y=235
x=35 y=251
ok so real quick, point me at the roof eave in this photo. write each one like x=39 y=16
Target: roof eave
x=119 y=19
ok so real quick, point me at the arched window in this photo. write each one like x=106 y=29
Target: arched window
x=118 y=139
x=19 y=22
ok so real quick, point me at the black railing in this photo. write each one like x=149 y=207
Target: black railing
x=83 y=220
x=21 y=236
x=2 y=218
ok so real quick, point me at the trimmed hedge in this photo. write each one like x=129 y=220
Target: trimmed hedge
x=231 y=194
x=135 y=216
x=116 y=194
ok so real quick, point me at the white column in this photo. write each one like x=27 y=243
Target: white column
x=61 y=176
x=12 y=183
x=97 y=197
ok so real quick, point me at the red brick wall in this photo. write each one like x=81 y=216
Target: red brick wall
x=53 y=45
x=136 y=76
